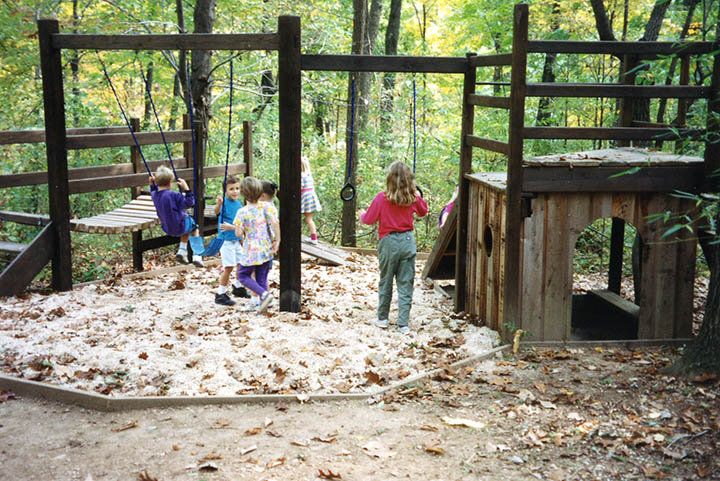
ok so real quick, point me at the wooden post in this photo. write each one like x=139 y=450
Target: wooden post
x=247 y=148
x=630 y=62
x=55 y=141
x=134 y=192
x=290 y=90
x=187 y=146
x=463 y=200
x=682 y=105
x=712 y=142
x=512 y=312
x=617 y=243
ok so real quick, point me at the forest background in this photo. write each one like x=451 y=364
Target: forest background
x=384 y=124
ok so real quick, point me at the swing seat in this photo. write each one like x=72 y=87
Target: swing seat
x=199 y=249
x=138 y=215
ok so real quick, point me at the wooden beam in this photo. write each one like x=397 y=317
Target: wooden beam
x=185 y=41
x=609 y=133
x=490 y=101
x=247 y=148
x=463 y=200
x=290 y=110
x=56 y=151
x=687 y=178
x=445 y=239
x=23 y=218
x=583 y=90
x=712 y=144
x=617 y=246
x=512 y=311
x=383 y=63
x=97 y=141
x=619 y=48
x=28 y=264
x=488 y=144
x=37 y=136
x=12 y=247
x=504 y=59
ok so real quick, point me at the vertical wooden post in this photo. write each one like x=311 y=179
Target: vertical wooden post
x=247 y=148
x=617 y=243
x=187 y=146
x=55 y=142
x=682 y=105
x=712 y=142
x=463 y=200
x=199 y=174
x=629 y=63
x=134 y=192
x=512 y=312
x=290 y=90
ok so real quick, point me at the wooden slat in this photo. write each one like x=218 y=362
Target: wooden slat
x=37 y=178
x=23 y=218
x=23 y=269
x=598 y=179
x=36 y=136
x=649 y=125
x=125 y=139
x=619 y=48
x=134 y=180
x=336 y=257
x=504 y=59
x=188 y=41
x=383 y=63
x=616 y=91
x=444 y=242
x=488 y=144
x=12 y=247
x=609 y=133
x=490 y=101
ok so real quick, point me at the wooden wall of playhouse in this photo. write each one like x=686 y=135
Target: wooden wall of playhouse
x=548 y=238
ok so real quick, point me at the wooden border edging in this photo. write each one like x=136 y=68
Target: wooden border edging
x=626 y=343
x=101 y=402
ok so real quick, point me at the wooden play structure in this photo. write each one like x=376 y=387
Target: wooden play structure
x=510 y=239
x=516 y=230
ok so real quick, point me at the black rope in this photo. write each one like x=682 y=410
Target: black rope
x=347 y=193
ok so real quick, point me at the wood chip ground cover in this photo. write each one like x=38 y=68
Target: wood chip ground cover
x=165 y=336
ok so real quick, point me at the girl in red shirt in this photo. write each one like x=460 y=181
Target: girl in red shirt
x=393 y=209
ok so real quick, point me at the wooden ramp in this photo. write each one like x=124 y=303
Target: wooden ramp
x=441 y=262
x=326 y=252
x=138 y=215
x=29 y=262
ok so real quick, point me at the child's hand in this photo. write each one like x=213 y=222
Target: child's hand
x=361 y=212
x=152 y=180
x=226 y=226
x=275 y=246
x=219 y=199
x=183 y=185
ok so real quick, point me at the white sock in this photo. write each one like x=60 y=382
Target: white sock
x=237 y=284
x=222 y=290
x=182 y=249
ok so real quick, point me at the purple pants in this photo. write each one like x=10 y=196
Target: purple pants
x=258 y=285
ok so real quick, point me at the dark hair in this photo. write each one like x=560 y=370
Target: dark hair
x=269 y=187
x=232 y=179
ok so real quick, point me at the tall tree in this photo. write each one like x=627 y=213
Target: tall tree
x=548 y=75
x=392 y=35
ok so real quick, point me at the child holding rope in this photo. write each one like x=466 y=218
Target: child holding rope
x=170 y=207
x=231 y=249
x=393 y=209
x=309 y=201
x=257 y=225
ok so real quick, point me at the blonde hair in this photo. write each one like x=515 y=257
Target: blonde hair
x=400 y=184
x=163 y=176
x=305 y=163
x=251 y=189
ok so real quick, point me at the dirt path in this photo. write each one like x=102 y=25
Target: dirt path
x=595 y=414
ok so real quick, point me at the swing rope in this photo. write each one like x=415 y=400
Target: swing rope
x=192 y=135
x=127 y=122
x=157 y=120
x=347 y=193
x=227 y=151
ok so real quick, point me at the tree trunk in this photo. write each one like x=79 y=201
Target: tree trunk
x=373 y=26
x=182 y=60
x=75 y=65
x=548 y=76
x=147 y=116
x=392 y=35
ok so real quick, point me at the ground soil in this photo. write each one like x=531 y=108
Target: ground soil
x=591 y=413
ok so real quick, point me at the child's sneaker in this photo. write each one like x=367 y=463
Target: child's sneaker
x=198 y=262
x=224 y=300
x=381 y=323
x=404 y=330
x=313 y=241
x=266 y=301
x=240 y=292
x=182 y=258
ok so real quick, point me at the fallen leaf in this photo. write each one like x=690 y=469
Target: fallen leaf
x=176 y=447
x=329 y=474
x=377 y=449
x=268 y=422
x=220 y=423
x=703 y=471
x=127 y=426
x=373 y=377
x=211 y=457
x=557 y=475
x=651 y=472
x=433 y=448
x=248 y=450
x=208 y=467
x=540 y=387
x=303 y=444
x=254 y=431
x=276 y=463
x=462 y=422
x=143 y=356
x=703 y=378
x=428 y=427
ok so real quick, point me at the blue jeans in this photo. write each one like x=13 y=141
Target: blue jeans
x=396 y=255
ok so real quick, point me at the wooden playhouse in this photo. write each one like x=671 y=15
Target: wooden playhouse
x=516 y=230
